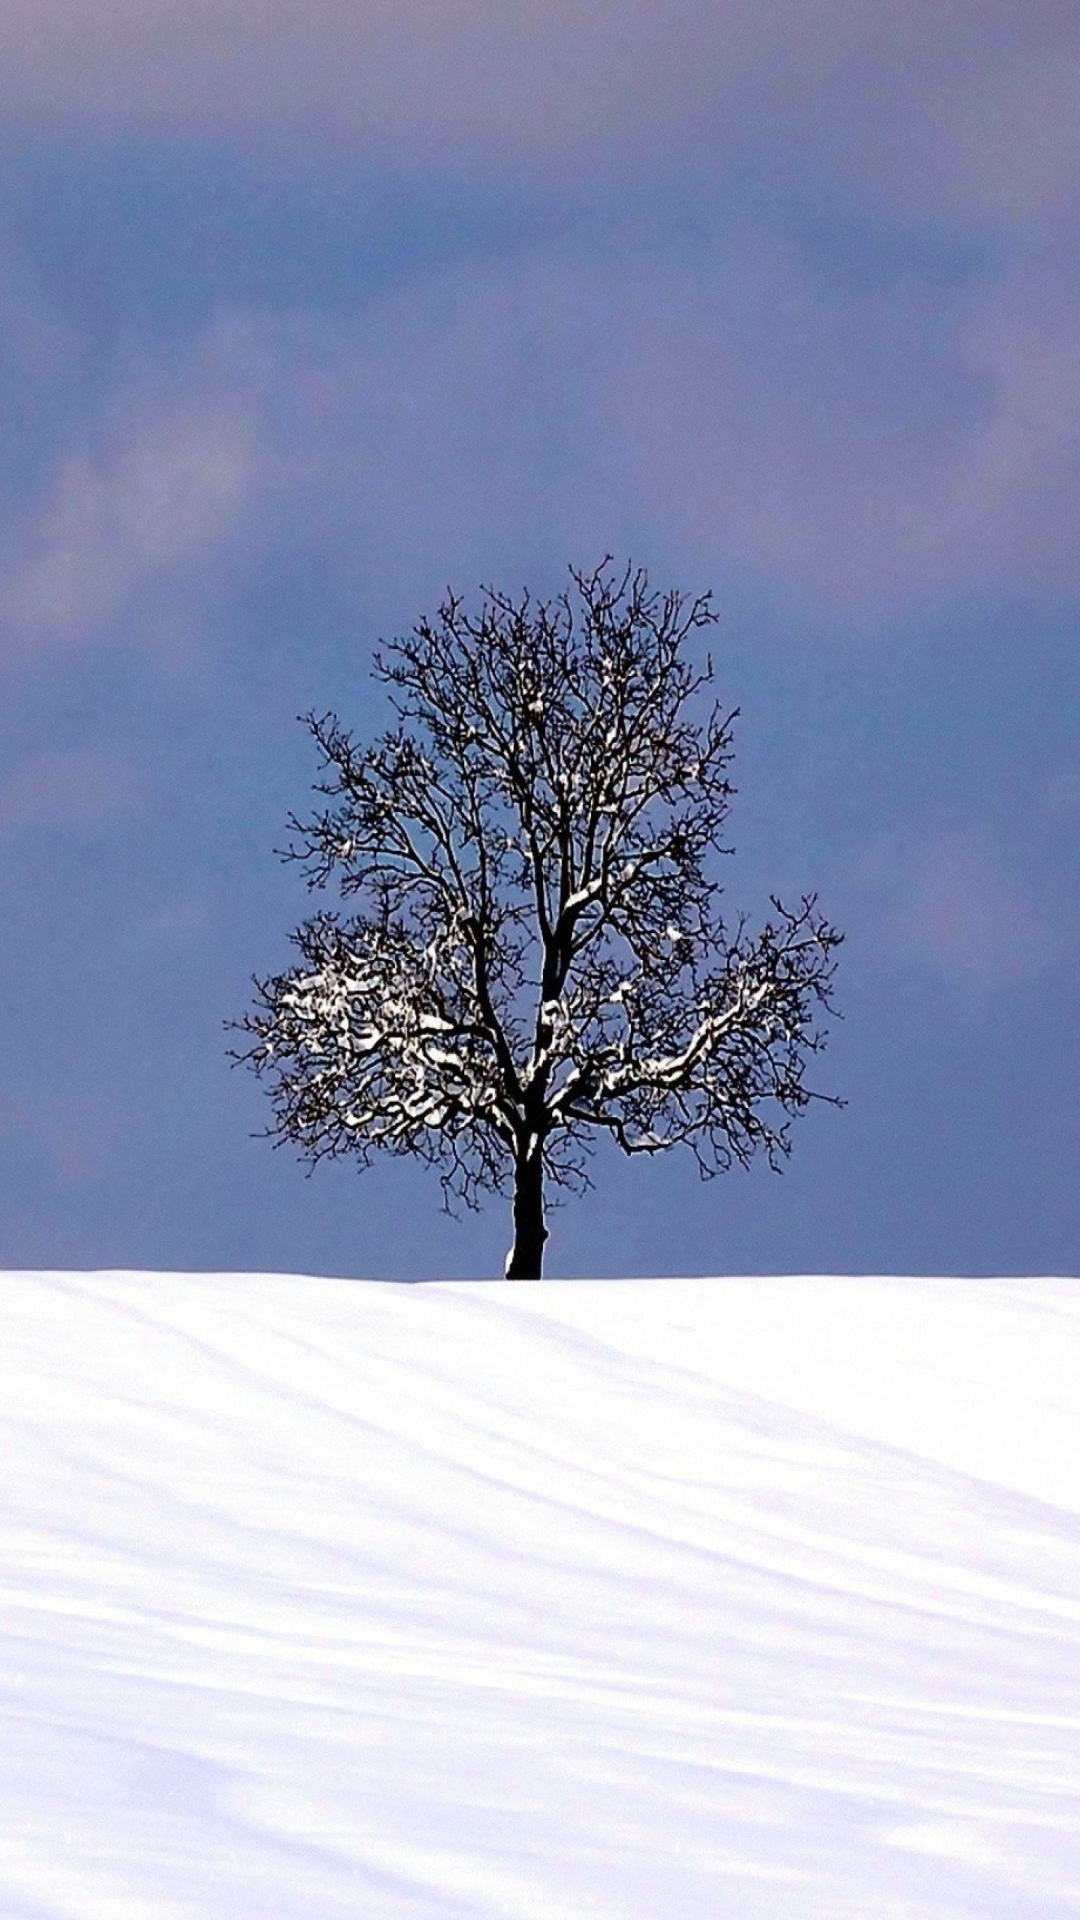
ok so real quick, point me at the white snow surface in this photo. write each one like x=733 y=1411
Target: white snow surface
x=651 y=1600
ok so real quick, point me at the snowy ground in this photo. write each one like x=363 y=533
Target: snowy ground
x=713 y=1598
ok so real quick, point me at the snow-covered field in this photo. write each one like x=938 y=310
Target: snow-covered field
x=709 y=1598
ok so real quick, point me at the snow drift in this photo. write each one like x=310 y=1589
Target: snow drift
x=694 y=1600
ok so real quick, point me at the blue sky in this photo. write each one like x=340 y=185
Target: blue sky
x=304 y=317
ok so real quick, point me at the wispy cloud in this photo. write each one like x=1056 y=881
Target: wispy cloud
x=161 y=488
x=864 y=450
x=873 y=450
x=867 y=452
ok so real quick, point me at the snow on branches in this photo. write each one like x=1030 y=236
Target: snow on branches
x=539 y=954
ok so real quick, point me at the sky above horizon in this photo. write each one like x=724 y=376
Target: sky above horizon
x=307 y=314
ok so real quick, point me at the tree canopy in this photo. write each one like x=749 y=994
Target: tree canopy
x=536 y=953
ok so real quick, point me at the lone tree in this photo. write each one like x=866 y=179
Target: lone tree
x=538 y=954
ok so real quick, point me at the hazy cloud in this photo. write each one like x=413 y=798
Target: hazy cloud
x=863 y=450
x=1006 y=145
x=162 y=486
x=864 y=447
x=964 y=97
x=871 y=449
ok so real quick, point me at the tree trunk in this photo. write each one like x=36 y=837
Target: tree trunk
x=526 y=1257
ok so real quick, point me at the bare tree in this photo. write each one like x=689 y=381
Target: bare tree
x=538 y=955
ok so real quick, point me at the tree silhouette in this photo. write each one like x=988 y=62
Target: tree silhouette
x=538 y=954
